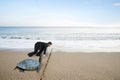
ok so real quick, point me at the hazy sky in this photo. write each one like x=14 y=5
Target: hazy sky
x=59 y=12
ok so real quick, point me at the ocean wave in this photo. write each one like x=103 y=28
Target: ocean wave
x=14 y=37
x=60 y=45
x=98 y=37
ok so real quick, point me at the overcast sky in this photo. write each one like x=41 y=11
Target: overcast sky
x=60 y=13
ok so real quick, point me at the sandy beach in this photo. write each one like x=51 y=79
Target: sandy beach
x=63 y=66
x=8 y=61
x=83 y=66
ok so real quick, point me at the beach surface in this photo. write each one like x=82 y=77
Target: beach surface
x=83 y=66
x=8 y=62
x=63 y=66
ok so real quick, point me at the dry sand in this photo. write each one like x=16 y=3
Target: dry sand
x=8 y=61
x=83 y=66
x=64 y=66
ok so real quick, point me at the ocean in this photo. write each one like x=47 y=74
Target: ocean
x=73 y=39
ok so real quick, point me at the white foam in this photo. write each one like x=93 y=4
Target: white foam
x=64 y=45
x=89 y=45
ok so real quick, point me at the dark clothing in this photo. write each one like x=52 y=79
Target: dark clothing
x=39 y=47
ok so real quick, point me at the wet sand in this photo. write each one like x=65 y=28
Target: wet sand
x=8 y=61
x=83 y=66
x=63 y=66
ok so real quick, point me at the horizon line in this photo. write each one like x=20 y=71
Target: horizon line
x=59 y=27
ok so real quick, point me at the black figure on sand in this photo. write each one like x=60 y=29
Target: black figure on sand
x=39 y=47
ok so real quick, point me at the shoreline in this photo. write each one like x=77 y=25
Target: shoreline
x=55 y=50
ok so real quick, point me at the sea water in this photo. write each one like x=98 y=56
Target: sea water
x=73 y=39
